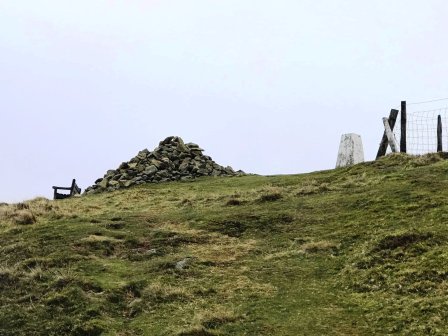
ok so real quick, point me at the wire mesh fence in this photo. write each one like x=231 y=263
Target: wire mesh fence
x=421 y=131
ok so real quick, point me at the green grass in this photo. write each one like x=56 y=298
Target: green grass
x=353 y=251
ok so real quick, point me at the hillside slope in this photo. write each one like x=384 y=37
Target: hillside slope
x=352 y=251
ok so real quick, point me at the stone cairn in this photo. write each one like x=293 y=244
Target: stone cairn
x=172 y=160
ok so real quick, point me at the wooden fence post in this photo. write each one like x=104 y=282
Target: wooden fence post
x=384 y=142
x=439 y=134
x=390 y=136
x=403 y=127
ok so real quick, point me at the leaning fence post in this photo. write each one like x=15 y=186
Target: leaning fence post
x=439 y=134
x=403 y=127
x=384 y=142
x=390 y=136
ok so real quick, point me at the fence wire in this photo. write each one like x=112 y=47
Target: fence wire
x=421 y=131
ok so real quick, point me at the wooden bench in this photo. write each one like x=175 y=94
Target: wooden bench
x=74 y=190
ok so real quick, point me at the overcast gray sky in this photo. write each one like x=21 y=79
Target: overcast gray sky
x=264 y=86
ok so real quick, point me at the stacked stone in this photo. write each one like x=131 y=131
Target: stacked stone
x=172 y=160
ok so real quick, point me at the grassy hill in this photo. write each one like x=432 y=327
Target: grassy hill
x=353 y=251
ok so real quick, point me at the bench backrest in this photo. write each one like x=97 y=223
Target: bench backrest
x=74 y=190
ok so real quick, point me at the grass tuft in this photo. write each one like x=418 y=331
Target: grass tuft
x=320 y=246
x=270 y=197
x=196 y=331
x=404 y=240
x=234 y=202
x=24 y=217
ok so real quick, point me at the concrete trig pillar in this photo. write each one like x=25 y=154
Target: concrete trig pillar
x=350 y=150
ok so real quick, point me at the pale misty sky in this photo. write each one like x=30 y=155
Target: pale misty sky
x=263 y=86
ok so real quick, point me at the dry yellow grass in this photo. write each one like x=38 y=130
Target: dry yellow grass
x=319 y=246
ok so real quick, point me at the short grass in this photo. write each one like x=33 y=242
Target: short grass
x=353 y=251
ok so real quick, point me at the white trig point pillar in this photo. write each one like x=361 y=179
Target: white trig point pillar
x=350 y=150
